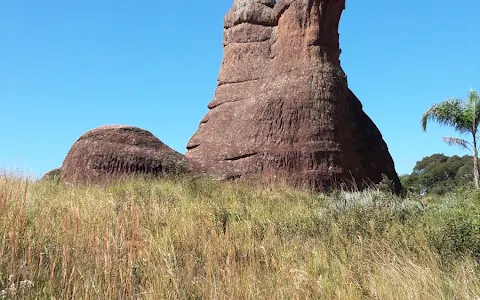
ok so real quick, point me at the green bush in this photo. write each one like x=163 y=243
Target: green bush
x=454 y=226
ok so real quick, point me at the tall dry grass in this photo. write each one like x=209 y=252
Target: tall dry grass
x=193 y=238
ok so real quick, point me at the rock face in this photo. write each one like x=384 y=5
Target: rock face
x=111 y=151
x=53 y=175
x=282 y=108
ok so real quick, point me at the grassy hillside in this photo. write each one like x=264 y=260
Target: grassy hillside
x=193 y=238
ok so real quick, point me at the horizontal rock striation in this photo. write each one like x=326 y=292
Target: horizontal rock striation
x=282 y=108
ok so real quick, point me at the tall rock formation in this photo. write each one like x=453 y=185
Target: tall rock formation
x=282 y=108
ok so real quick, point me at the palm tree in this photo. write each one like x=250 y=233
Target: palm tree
x=463 y=116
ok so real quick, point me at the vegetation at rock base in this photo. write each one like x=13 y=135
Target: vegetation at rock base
x=193 y=238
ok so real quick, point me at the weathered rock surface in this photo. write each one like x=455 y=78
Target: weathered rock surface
x=53 y=174
x=282 y=108
x=112 y=151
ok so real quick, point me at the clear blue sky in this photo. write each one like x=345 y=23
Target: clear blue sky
x=69 y=66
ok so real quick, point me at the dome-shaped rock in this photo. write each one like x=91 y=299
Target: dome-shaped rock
x=111 y=151
x=53 y=175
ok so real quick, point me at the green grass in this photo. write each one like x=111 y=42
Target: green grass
x=193 y=238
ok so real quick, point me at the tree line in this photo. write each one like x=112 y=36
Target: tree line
x=438 y=174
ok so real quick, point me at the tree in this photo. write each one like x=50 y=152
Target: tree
x=438 y=174
x=463 y=116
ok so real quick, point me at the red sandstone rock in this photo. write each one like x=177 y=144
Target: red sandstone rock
x=111 y=151
x=282 y=109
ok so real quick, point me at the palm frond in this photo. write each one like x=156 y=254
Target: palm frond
x=473 y=104
x=473 y=97
x=450 y=112
x=458 y=142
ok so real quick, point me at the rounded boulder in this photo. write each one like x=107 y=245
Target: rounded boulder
x=113 y=151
